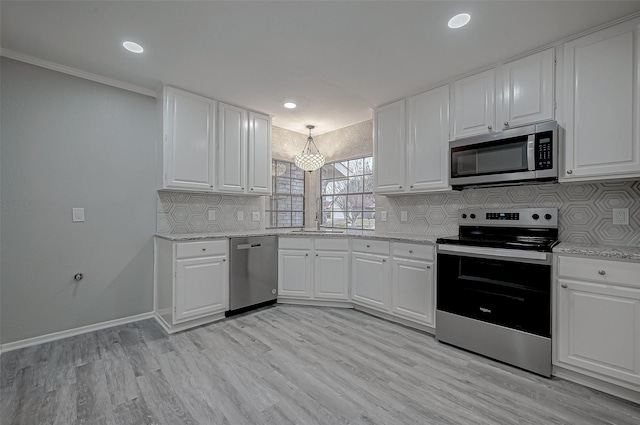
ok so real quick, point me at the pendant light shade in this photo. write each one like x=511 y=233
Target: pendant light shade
x=308 y=160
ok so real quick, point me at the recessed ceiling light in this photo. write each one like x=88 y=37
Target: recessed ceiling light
x=132 y=47
x=459 y=20
x=290 y=105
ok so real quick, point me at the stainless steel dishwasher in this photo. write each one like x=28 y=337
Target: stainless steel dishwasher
x=253 y=279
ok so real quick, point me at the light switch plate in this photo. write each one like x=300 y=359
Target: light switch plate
x=403 y=216
x=621 y=216
x=255 y=216
x=383 y=215
x=78 y=214
x=240 y=215
x=211 y=214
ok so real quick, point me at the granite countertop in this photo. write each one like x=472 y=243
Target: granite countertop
x=364 y=234
x=603 y=251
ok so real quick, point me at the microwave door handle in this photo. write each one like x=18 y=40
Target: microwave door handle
x=531 y=153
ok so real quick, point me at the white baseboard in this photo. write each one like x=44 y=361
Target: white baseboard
x=10 y=346
x=315 y=303
x=597 y=384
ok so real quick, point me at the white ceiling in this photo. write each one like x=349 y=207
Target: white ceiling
x=336 y=60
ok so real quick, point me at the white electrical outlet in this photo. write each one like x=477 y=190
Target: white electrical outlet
x=255 y=216
x=621 y=216
x=240 y=215
x=211 y=214
x=78 y=214
x=383 y=216
x=403 y=216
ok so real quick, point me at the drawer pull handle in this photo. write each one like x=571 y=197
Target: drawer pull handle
x=306 y=255
x=428 y=267
x=204 y=249
x=384 y=260
x=601 y=272
x=485 y=310
x=368 y=246
x=410 y=251
x=564 y=285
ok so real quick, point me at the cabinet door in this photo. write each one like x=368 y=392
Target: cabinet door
x=413 y=290
x=599 y=328
x=232 y=142
x=528 y=89
x=601 y=96
x=259 y=153
x=369 y=280
x=389 y=148
x=428 y=149
x=201 y=287
x=474 y=101
x=331 y=275
x=189 y=141
x=294 y=273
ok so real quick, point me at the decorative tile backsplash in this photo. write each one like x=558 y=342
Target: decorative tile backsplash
x=585 y=210
x=188 y=212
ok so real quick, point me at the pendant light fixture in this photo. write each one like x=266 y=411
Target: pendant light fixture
x=307 y=160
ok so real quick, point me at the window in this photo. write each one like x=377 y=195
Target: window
x=347 y=194
x=285 y=207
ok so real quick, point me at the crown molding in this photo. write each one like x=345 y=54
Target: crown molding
x=75 y=72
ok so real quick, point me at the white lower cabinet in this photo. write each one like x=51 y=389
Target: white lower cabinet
x=598 y=319
x=370 y=274
x=413 y=283
x=313 y=269
x=191 y=282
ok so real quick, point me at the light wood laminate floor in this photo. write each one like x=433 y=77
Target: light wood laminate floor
x=284 y=365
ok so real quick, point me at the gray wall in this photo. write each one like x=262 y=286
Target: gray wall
x=69 y=142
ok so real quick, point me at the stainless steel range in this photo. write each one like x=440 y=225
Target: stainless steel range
x=494 y=285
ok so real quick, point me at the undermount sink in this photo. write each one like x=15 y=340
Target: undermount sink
x=318 y=231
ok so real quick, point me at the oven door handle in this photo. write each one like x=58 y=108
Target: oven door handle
x=531 y=153
x=494 y=252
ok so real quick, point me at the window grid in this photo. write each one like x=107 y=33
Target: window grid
x=285 y=208
x=347 y=198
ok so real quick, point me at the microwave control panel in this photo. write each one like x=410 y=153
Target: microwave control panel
x=544 y=151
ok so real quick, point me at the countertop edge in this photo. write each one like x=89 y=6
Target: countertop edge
x=600 y=251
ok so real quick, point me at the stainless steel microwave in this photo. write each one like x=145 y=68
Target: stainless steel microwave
x=517 y=156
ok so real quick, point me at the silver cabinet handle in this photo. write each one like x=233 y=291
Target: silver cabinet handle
x=569 y=171
x=489 y=127
x=506 y=124
x=601 y=272
x=564 y=285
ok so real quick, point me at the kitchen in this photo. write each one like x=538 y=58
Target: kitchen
x=82 y=128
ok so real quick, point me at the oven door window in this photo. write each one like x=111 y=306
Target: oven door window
x=508 y=293
x=505 y=156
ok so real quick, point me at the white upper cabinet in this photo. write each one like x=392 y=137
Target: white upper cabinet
x=389 y=148
x=259 y=154
x=232 y=147
x=234 y=159
x=428 y=147
x=475 y=105
x=528 y=89
x=602 y=107
x=189 y=153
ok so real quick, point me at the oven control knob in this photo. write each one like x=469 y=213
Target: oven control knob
x=535 y=216
x=472 y=216
x=547 y=216
x=464 y=216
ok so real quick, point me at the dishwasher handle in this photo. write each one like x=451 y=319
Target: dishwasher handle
x=249 y=245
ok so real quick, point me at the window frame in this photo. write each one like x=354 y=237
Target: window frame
x=347 y=209
x=271 y=213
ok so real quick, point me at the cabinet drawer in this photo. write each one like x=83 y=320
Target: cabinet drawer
x=294 y=243
x=411 y=250
x=331 y=244
x=365 y=245
x=597 y=270
x=202 y=249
